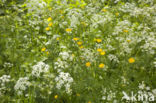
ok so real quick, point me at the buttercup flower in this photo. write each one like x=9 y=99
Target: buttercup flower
x=68 y=30
x=43 y=49
x=104 y=10
x=75 y=39
x=131 y=60
x=117 y=14
x=79 y=43
x=47 y=29
x=103 y=53
x=50 y=24
x=126 y=31
x=99 y=50
x=88 y=64
x=49 y=19
x=56 y=96
x=101 y=65
x=99 y=40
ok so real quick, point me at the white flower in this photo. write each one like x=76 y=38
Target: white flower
x=21 y=85
x=64 y=80
x=64 y=55
x=39 y=68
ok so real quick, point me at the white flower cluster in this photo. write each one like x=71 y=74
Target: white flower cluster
x=73 y=16
x=4 y=79
x=108 y=95
x=9 y=65
x=64 y=80
x=36 y=5
x=65 y=56
x=136 y=11
x=21 y=85
x=150 y=42
x=113 y=58
x=101 y=19
x=60 y=64
x=39 y=68
x=146 y=1
x=88 y=55
x=122 y=25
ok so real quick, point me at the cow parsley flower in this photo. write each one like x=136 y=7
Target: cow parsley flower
x=39 y=68
x=21 y=85
x=64 y=80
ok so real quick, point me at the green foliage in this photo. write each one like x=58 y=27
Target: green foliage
x=76 y=51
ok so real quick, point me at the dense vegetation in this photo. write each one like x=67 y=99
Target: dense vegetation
x=77 y=51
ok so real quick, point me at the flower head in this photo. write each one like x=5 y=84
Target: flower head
x=57 y=38
x=98 y=40
x=47 y=29
x=103 y=53
x=81 y=47
x=117 y=14
x=43 y=49
x=50 y=24
x=49 y=19
x=68 y=30
x=79 y=43
x=75 y=39
x=104 y=10
x=101 y=65
x=128 y=41
x=56 y=96
x=99 y=50
x=88 y=64
x=131 y=60
x=126 y=31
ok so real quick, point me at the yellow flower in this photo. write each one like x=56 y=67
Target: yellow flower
x=47 y=28
x=50 y=9
x=78 y=94
x=125 y=31
x=103 y=53
x=43 y=49
x=50 y=24
x=99 y=50
x=101 y=65
x=128 y=41
x=88 y=64
x=104 y=10
x=75 y=39
x=68 y=30
x=56 y=96
x=89 y=102
x=49 y=19
x=99 y=40
x=57 y=38
x=79 y=43
x=117 y=14
x=81 y=47
x=131 y=60
x=47 y=52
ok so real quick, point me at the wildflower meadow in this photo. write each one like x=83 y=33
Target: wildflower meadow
x=78 y=51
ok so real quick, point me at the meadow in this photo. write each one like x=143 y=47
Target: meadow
x=77 y=51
